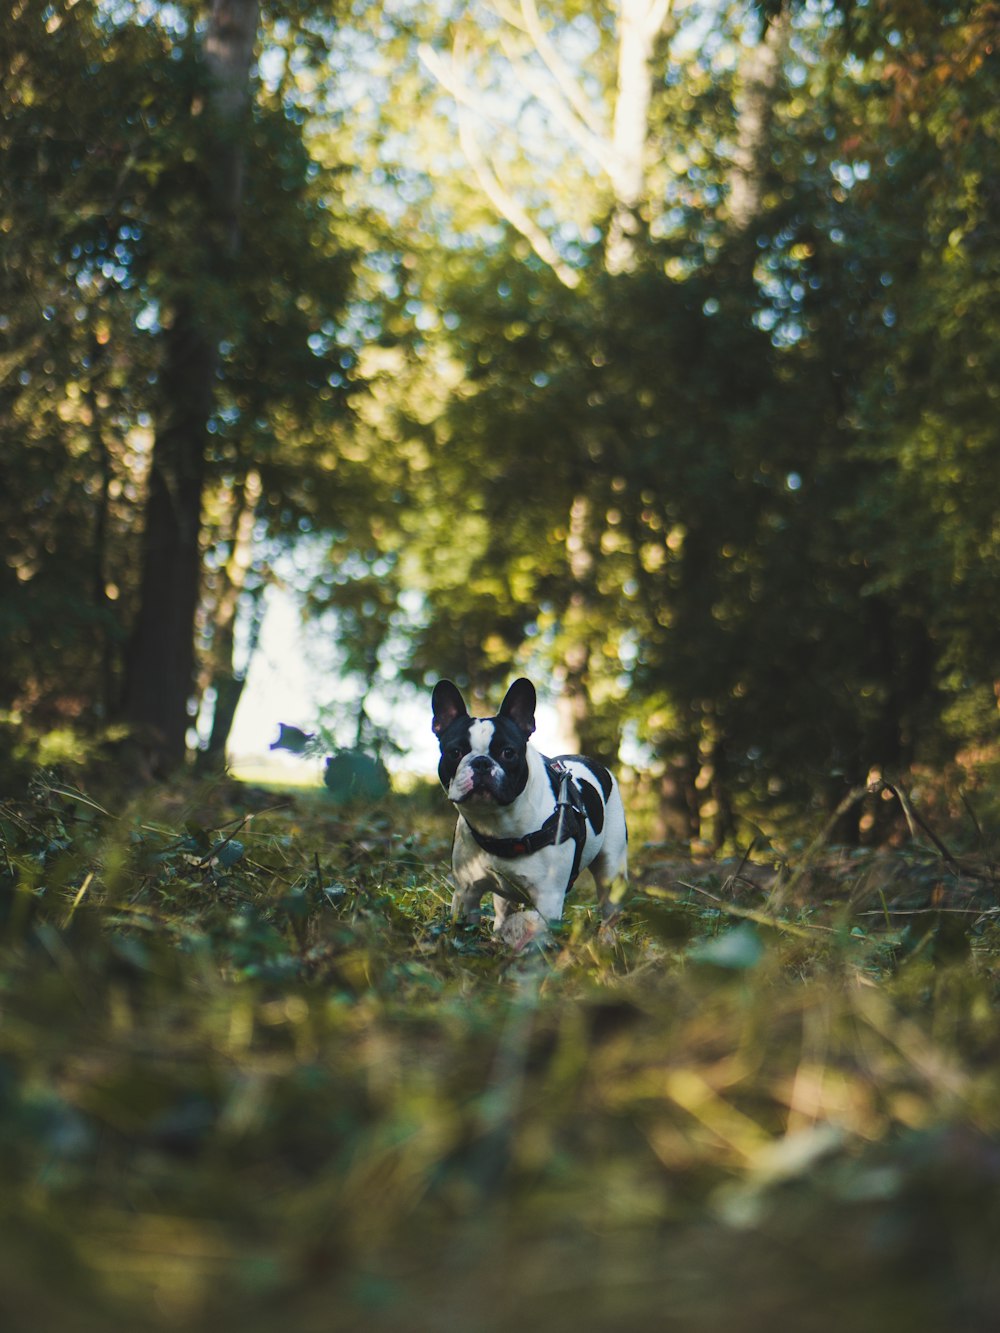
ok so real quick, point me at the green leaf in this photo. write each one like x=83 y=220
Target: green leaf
x=738 y=950
x=354 y=775
x=230 y=852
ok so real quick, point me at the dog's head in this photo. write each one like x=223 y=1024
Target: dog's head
x=484 y=759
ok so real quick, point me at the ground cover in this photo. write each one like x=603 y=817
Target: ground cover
x=252 y=1077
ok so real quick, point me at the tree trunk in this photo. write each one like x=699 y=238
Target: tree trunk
x=99 y=593
x=222 y=674
x=228 y=693
x=640 y=23
x=677 y=811
x=761 y=74
x=573 y=704
x=161 y=657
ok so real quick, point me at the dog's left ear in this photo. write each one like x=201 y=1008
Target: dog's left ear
x=448 y=705
x=519 y=705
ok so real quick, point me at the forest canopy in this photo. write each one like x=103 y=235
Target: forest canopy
x=651 y=349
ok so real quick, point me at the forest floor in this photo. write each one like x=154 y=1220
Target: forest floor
x=251 y=1077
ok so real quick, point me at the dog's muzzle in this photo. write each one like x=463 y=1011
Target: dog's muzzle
x=481 y=778
x=483 y=774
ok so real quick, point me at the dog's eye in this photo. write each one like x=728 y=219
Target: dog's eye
x=508 y=752
x=456 y=752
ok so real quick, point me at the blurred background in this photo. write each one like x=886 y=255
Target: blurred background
x=650 y=350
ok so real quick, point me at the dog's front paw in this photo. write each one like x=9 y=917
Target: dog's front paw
x=465 y=906
x=520 y=928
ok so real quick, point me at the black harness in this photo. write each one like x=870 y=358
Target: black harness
x=567 y=820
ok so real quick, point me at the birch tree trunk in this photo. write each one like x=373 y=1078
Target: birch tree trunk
x=761 y=75
x=161 y=654
x=640 y=23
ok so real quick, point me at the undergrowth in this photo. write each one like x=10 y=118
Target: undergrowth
x=252 y=1077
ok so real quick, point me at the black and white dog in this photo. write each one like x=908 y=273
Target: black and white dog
x=527 y=825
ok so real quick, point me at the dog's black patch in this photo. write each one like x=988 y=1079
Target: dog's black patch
x=454 y=740
x=599 y=771
x=593 y=804
x=509 y=747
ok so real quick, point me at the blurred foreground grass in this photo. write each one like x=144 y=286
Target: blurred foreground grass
x=252 y=1078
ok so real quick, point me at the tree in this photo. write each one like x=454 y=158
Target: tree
x=160 y=670
x=74 y=187
x=107 y=130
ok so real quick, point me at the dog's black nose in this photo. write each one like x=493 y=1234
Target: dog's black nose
x=481 y=763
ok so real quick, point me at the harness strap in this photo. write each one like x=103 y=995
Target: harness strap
x=567 y=820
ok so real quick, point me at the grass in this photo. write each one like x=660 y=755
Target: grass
x=252 y=1077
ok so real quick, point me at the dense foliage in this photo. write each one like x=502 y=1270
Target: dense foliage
x=250 y=1075
x=709 y=441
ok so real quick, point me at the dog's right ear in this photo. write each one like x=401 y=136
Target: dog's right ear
x=448 y=705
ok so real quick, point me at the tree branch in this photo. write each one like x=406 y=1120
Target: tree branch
x=594 y=145
x=588 y=115
x=619 y=152
x=504 y=202
x=659 y=12
x=508 y=207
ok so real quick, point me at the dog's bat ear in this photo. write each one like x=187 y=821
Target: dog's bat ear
x=448 y=705
x=519 y=705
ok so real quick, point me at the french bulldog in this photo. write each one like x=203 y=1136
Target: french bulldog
x=527 y=825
